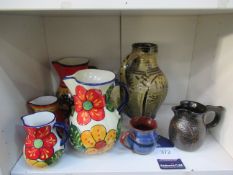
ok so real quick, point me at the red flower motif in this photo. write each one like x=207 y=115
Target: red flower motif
x=39 y=143
x=89 y=104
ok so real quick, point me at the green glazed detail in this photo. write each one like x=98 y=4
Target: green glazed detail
x=38 y=143
x=57 y=155
x=109 y=103
x=87 y=105
x=75 y=138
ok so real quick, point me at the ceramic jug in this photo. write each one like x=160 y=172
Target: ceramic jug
x=146 y=83
x=187 y=128
x=47 y=103
x=94 y=122
x=42 y=146
x=64 y=67
x=142 y=136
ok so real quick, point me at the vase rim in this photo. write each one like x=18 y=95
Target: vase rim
x=85 y=77
x=145 y=45
x=38 y=119
x=43 y=100
x=71 y=61
x=190 y=106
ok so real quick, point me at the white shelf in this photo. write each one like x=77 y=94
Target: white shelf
x=210 y=159
x=114 y=4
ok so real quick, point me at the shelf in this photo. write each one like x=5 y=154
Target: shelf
x=118 y=6
x=210 y=159
x=114 y=4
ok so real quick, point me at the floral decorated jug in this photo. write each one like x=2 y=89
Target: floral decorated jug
x=64 y=67
x=94 y=122
x=42 y=146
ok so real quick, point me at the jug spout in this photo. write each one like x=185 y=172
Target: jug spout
x=71 y=83
x=175 y=109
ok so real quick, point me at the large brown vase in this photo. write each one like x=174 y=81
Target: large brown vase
x=146 y=83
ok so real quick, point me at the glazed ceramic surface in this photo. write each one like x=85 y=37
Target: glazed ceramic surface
x=146 y=82
x=94 y=123
x=42 y=146
x=187 y=128
x=65 y=67
x=47 y=103
x=142 y=136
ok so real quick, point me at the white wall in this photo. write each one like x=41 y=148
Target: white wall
x=104 y=40
x=24 y=74
x=94 y=37
x=174 y=36
x=211 y=80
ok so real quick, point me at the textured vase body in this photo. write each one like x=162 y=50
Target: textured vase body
x=146 y=83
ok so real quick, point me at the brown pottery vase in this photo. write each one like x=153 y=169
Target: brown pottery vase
x=146 y=83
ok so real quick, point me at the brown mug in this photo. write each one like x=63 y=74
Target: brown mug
x=47 y=103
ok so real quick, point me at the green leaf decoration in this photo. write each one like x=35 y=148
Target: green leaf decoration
x=55 y=157
x=75 y=138
x=109 y=104
x=118 y=133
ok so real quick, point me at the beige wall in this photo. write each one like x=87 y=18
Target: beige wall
x=211 y=78
x=24 y=74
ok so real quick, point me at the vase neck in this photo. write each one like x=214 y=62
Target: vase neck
x=147 y=48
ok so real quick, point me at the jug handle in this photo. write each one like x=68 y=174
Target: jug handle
x=64 y=127
x=125 y=98
x=124 y=136
x=125 y=63
x=218 y=110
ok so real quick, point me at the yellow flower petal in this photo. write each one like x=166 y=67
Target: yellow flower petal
x=98 y=132
x=111 y=137
x=87 y=139
x=37 y=164
x=91 y=151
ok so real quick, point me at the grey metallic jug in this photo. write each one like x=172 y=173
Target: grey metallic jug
x=187 y=128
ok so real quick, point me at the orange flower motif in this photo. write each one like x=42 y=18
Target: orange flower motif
x=89 y=104
x=97 y=140
x=39 y=143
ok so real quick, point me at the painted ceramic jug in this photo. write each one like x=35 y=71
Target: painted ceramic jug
x=42 y=146
x=187 y=128
x=64 y=67
x=94 y=123
x=146 y=83
x=142 y=137
x=47 y=103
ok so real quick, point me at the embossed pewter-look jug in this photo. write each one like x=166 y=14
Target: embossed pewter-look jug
x=146 y=83
x=187 y=128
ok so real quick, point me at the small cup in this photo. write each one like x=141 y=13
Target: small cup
x=142 y=136
x=46 y=103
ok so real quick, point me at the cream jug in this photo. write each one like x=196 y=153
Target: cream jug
x=43 y=145
x=94 y=121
